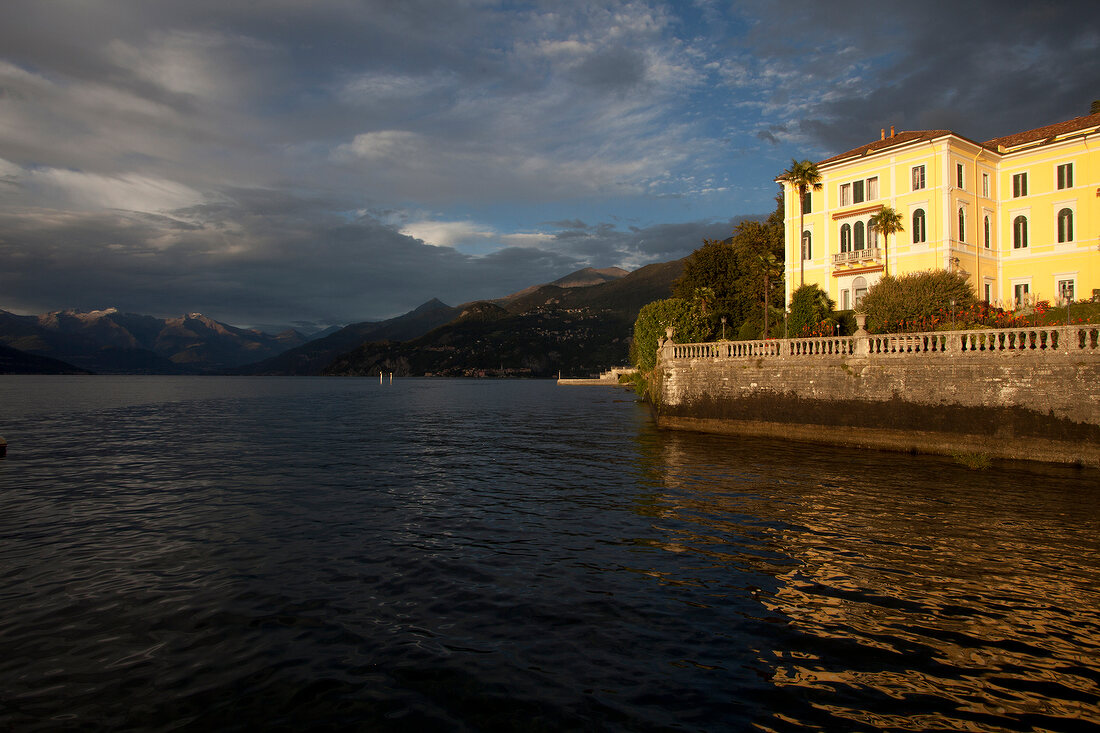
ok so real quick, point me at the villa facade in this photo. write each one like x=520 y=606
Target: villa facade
x=1020 y=214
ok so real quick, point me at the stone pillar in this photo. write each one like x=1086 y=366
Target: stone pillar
x=664 y=346
x=861 y=346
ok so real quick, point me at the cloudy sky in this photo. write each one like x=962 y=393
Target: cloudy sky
x=330 y=161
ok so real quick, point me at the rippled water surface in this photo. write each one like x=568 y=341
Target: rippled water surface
x=432 y=555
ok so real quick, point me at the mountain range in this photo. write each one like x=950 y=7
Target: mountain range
x=578 y=324
x=109 y=341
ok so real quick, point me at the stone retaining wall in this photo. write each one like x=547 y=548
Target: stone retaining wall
x=1021 y=393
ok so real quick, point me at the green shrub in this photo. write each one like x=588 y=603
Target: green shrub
x=810 y=308
x=750 y=330
x=916 y=302
x=686 y=317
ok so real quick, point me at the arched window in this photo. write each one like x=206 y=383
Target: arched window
x=1065 y=225
x=962 y=224
x=807 y=251
x=920 y=233
x=988 y=232
x=872 y=237
x=845 y=237
x=859 y=235
x=859 y=288
x=1019 y=232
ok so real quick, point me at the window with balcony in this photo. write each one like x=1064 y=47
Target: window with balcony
x=1065 y=176
x=918 y=177
x=1019 y=232
x=1019 y=185
x=920 y=229
x=845 y=237
x=860 y=242
x=1065 y=225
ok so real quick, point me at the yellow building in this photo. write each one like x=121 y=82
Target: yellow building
x=1020 y=215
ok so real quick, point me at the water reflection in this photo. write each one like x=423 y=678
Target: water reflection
x=912 y=593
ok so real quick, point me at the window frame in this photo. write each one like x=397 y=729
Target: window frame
x=917 y=184
x=1019 y=185
x=920 y=226
x=1063 y=176
x=1064 y=224
x=1019 y=232
x=1019 y=289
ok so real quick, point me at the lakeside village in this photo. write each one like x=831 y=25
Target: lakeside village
x=943 y=301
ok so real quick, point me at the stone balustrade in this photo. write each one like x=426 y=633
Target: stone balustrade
x=1055 y=341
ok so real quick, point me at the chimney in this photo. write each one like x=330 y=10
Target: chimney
x=891 y=130
x=882 y=134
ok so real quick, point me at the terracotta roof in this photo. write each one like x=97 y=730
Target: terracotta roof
x=897 y=139
x=1046 y=133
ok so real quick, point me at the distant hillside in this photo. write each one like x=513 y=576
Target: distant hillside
x=113 y=342
x=13 y=361
x=579 y=279
x=314 y=356
x=578 y=331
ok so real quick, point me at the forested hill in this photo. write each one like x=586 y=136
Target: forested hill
x=578 y=331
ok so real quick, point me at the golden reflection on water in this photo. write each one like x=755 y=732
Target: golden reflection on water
x=915 y=594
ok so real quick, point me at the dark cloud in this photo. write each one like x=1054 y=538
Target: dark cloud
x=612 y=70
x=260 y=161
x=983 y=69
x=267 y=257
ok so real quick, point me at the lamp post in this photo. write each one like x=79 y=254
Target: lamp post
x=723 y=328
x=952 y=314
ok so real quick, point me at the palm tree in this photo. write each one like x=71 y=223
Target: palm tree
x=770 y=265
x=887 y=221
x=804 y=176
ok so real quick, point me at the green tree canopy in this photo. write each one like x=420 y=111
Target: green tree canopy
x=810 y=306
x=909 y=302
x=685 y=316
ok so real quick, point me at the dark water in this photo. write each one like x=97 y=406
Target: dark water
x=302 y=554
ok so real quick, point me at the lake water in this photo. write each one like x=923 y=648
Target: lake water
x=444 y=555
